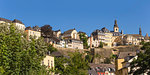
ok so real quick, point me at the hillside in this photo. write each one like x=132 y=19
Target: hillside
x=103 y=53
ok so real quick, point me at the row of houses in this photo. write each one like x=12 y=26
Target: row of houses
x=115 y=38
x=68 y=39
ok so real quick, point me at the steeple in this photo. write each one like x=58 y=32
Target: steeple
x=146 y=37
x=116 y=28
x=140 y=31
x=121 y=31
x=115 y=25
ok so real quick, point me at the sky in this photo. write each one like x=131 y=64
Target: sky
x=83 y=15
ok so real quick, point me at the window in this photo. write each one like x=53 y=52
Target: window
x=48 y=63
x=51 y=63
x=43 y=62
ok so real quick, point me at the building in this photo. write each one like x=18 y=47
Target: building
x=48 y=61
x=115 y=31
x=105 y=36
x=16 y=22
x=3 y=20
x=48 y=34
x=70 y=43
x=125 y=70
x=133 y=39
x=33 y=32
x=57 y=33
x=122 y=58
x=75 y=44
x=146 y=38
x=70 y=39
x=101 y=69
x=70 y=34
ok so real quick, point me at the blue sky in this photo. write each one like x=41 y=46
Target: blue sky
x=84 y=15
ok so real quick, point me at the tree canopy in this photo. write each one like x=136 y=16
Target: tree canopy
x=84 y=40
x=19 y=56
x=76 y=64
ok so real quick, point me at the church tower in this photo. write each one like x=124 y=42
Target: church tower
x=140 y=31
x=116 y=28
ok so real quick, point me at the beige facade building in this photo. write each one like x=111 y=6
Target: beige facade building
x=16 y=22
x=57 y=33
x=32 y=32
x=70 y=39
x=48 y=61
x=133 y=39
x=105 y=36
x=70 y=34
x=75 y=44
x=102 y=35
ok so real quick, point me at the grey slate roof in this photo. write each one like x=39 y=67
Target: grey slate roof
x=123 y=55
x=105 y=30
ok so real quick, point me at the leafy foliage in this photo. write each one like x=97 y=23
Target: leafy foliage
x=84 y=39
x=51 y=48
x=75 y=65
x=17 y=55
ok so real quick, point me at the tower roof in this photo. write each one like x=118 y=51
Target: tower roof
x=115 y=25
x=140 y=31
x=146 y=37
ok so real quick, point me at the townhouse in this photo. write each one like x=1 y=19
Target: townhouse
x=16 y=22
x=34 y=32
x=70 y=39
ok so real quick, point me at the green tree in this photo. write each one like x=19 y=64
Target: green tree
x=76 y=64
x=84 y=40
x=142 y=63
x=51 y=48
x=19 y=56
x=142 y=42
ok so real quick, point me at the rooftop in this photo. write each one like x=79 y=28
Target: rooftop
x=123 y=55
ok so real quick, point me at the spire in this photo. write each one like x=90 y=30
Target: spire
x=121 y=31
x=146 y=37
x=115 y=25
x=140 y=31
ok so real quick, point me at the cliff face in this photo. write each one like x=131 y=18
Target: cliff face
x=102 y=53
